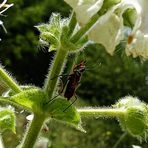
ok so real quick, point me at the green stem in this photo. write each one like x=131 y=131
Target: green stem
x=9 y=81
x=56 y=70
x=33 y=131
x=72 y=23
x=76 y=37
x=71 y=60
x=101 y=112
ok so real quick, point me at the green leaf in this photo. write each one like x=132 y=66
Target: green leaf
x=49 y=37
x=51 y=32
x=55 y=24
x=56 y=109
x=56 y=33
x=30 y=99
x=7 y=120
x=43 y=27
x=10 y=92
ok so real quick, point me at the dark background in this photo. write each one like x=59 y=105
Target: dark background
x=102 y=84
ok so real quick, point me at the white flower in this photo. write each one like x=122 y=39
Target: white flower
x=85 y=9
x=144 y=7
x=138 y=46
x=108 y=30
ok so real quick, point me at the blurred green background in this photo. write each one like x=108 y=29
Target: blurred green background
x=102 y=84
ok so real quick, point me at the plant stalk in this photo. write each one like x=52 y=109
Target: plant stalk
x=55 y=72
x=72 y=23
x=9 y=81
x=33 y=131
x=76 y=37
x=101 y=112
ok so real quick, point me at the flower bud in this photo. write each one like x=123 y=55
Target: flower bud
x=135 y=117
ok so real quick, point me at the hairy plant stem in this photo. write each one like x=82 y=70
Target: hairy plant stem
x=33 y=131
x=76 y=37
x=9 y=81
x=70 y=62
x=55 y=71
x=101 y=112
x=52 y=79
x=72 y=23
x=60 y=57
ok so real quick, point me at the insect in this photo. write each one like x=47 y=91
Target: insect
x=73 y=81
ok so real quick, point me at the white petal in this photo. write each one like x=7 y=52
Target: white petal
x=139 y=46
x=107 y=33
x=136 y=5
x=144 y=6
x=85 y=9
x=108 y=29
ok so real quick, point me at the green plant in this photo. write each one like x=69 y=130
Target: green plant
x=65 y=36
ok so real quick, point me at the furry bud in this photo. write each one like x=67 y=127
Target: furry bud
x=135 y=117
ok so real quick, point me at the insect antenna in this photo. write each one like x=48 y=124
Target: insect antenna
x=52 y=99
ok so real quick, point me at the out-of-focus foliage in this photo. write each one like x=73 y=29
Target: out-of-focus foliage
x=106 y=78
x=109 y=78
x=20 y=45
x=99 y=134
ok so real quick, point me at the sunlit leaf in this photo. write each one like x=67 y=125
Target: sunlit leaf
x=60 y=109
x=50 y=33
x=30 y=99
x=10 y=92
x=7 y=120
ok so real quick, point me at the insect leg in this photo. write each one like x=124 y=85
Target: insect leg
x=64 y=85
x=53 y=98
x=71 y=103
